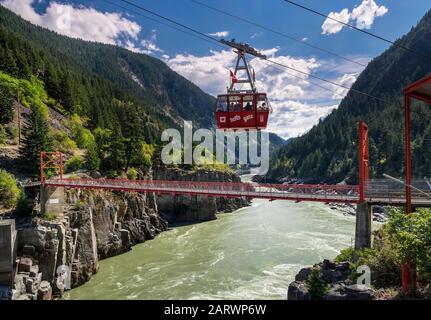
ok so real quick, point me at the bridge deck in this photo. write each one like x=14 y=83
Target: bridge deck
x=377 y=193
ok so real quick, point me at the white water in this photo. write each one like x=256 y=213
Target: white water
x=253 y=253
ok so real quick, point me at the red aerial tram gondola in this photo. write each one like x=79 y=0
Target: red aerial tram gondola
x=242 y=109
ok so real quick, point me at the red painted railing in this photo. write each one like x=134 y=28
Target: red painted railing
x=295 y=192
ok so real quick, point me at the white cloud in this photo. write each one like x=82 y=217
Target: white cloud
x=149 y=45
x=78 y=21
x=346 y=80
x=366 y=12
x=363 y=16
x=297 y=103
x=330 y=26
x=219 y=34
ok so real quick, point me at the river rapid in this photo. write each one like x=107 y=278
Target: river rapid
x=252 y=253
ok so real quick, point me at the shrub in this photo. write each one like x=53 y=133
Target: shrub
x=317 y=287
x=345 y=255
x=132 y=174
x=49 y=216
x=62 y=142
x=3 y=137
x=10 y=193
x=74 y=164
x=410 y=236
x=81 y=135
x=403 y=237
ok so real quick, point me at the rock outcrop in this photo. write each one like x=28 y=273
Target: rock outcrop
x=335 y=276
x=100 y=224
x=95 y=225
x=196 y=208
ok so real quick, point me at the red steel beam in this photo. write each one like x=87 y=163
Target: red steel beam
x=363 y=159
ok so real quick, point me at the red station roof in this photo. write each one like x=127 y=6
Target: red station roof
x=420 y=89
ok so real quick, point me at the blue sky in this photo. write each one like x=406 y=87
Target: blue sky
x=297 y=103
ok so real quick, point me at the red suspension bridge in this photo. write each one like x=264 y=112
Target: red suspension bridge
x=384 y=192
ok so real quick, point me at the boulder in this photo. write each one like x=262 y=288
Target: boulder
x=344 y=266
x=350 y=292
x=25 y=265
x=332 y=276
x=29 y=251
x=298 y=291
x=45 y=291
x=328 y=265
x=358 y=292
x=303 y=274
x=34 y=270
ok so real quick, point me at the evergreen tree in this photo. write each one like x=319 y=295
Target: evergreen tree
x=36 y=138
x=92 y=160
x=316 y=286
x=6 y=104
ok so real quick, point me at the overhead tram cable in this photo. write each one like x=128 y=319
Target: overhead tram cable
x=278 y=33
x=423 y=55
x=217 y=43
x=164 y=24
x=269 y=60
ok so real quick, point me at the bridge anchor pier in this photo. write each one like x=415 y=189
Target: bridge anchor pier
x=363 y=225
x=52 y=200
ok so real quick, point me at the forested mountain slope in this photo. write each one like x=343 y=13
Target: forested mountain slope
x=87 y=78
x=328 y=152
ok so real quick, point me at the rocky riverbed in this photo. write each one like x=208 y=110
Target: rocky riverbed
x=380 y=213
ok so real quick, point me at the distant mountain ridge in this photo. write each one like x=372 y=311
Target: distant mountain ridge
x=328 y=152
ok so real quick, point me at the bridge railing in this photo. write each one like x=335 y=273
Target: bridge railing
x=392 y=191
x=317 y=192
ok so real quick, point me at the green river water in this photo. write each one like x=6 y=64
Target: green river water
x=253 y=253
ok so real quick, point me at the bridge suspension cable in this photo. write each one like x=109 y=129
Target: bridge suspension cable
x=267 y=59
x=358 y=29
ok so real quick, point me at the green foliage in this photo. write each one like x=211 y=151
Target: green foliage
x=12 y=132
x=79 y=205
x=411 y=238
x=147 y=153
x=6 y=104
x=92 y=160
x=62 y=142
x=36 y=138
x=132 y=174
x=345 y=255
x=49 y=216
x=81 y=135
x=10 y=193
x=3 y=136
x=402 y=237
x=317 y=287
x=74 y=164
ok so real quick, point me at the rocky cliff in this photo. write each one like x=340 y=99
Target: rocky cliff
x=100 y=224
x=179 y=209
x=95 y=225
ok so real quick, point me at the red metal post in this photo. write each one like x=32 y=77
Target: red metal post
x=408 y=160
x=408 y=277
x=363 y=159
